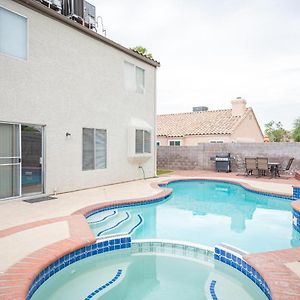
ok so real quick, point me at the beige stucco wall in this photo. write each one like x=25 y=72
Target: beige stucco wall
x=248 y=131
x=68 y=82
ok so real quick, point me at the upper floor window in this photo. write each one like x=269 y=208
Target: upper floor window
x=94 y=148
x=13 y=34
x=142 y=141
x=134 y=78
x=174 y=143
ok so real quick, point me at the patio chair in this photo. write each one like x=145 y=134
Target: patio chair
x=250 y=165
x=281 y=170
x=262 y=166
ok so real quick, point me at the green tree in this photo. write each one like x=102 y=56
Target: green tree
x=142 y=50
x=276 y=132
x=296 y=130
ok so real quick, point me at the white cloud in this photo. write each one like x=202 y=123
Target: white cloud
x=213 y=51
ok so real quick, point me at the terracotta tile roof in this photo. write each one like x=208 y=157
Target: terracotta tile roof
x=198 y=123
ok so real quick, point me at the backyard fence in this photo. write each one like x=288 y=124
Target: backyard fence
x=198 y=157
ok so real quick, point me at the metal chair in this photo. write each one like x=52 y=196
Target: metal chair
x=250 y=165
x=281 y=170
x=262 y=166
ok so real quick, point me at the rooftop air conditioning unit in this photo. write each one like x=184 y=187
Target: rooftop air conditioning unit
x=73 y=9
x=89 y=15
x=53 y=4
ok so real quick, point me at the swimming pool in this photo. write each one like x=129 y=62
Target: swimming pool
x=207 y=212
x=148 y=271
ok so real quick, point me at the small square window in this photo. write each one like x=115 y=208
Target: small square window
x=13 y=34
x=174 y=143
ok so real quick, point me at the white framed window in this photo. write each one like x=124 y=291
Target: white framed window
x=142 y=141
x=134 y=78
x=216 y=141
x=13 y=34
x=94 y=149
x=175 y=143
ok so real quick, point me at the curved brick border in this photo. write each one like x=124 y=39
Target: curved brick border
x=15 y=282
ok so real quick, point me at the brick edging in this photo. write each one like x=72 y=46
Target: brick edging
x=16 y=280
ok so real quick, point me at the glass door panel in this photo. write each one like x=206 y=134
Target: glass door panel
x=10 y=161
x=32 y=161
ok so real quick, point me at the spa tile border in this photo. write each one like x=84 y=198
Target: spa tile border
x=233 y=259
x=101 y=246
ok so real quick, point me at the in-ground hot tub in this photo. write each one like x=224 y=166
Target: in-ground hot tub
x=148 y=270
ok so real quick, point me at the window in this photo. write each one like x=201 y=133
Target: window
x=174 y=143
x=13 y=34
x=134 y=78
x=142 y=141
x=94 y=148
x=157 y=143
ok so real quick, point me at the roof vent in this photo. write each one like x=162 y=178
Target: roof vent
x=200 y=108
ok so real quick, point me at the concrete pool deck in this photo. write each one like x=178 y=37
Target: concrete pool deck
x=23 y=226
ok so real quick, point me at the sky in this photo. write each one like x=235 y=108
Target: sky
x=212 y=51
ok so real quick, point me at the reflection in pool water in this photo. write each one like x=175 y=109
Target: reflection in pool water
x=209 y=213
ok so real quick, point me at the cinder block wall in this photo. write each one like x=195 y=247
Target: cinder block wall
x=198 y=157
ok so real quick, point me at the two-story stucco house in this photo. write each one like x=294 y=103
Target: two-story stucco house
x=77 y=110
x=235 y=125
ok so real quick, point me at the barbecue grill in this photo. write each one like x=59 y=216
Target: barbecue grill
x=223 y=162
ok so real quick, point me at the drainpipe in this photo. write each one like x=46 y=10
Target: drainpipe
x=140 y=167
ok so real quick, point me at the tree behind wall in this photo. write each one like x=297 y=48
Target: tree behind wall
x=296 y=130
x=276 y=132
x=142 y=50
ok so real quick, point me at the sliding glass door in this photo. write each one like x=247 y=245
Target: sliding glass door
x=21 y=160
x=10 y=160
x=32 y=159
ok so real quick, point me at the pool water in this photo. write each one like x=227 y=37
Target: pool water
x=207 y=212
x=148 y=277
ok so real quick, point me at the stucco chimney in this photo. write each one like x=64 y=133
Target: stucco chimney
x=238 y=106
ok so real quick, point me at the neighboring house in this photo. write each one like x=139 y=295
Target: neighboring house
x=77 y=109
x=238 y=125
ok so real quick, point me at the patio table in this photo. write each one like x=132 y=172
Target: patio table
x=274 y=168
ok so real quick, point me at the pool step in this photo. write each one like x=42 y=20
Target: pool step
x=98 y=218
x=126 y=223
x=115 y=225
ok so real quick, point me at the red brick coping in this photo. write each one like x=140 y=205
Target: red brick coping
x=16 y=281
